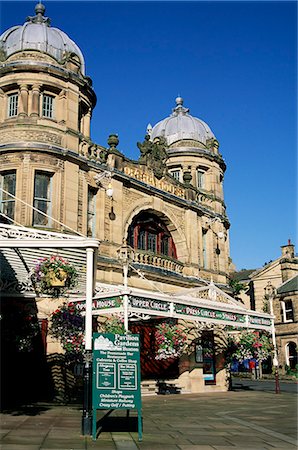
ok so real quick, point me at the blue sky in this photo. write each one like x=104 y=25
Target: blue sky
x=234 y=63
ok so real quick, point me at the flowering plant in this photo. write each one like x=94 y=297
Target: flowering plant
x=170 y=340
x=67 y=325
x=112 y=324
x=57 y=266
x=28 y=329
x=248 y=345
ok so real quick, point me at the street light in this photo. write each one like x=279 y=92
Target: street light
x=269 y=294
x=125 y=255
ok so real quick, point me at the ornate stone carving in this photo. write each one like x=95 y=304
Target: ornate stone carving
x=154 y=155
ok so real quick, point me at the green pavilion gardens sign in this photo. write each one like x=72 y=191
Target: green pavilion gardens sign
x=116 y=375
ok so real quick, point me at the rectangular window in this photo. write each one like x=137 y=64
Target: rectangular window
x=200 y=179
x=205 y=254
x=91 y=210
x=7 y=202
x=287 y=309
x=42 y=198
x=142 y=240
x=175 y=173
x=47 y=106
x=165 y=245
x=13 y=101
x=152 y=242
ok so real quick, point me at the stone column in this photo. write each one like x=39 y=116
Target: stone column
x=23 y=109
x=35 y=100
x=87 y=122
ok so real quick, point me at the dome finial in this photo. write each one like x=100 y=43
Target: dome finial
x=179 y=100
x=39 y=17
x=180 y=108
x=40 y=10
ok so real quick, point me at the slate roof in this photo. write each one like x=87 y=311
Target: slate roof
x=289 y=286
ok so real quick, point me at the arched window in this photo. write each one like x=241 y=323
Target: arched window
x=291 y=354
x=148 y=232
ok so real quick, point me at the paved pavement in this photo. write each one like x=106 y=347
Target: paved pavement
x=240 y=419
x=264 y=385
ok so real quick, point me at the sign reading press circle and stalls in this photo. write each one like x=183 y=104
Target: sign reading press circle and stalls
x=116 y=374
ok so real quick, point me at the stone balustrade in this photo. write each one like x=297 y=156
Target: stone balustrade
x=151 y=259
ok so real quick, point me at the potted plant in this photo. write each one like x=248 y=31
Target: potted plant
x=54 y=273
x=170 y=339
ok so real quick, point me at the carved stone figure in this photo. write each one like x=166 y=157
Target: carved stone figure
x=154 y=155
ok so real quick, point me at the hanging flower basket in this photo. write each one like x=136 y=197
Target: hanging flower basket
x=249 y=344
x=67 y=325
x=171 y=341
x=57 y=279
x=54 y=273
x=113 y=324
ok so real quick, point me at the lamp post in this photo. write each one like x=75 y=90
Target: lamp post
x=125 y=256
x=269 y=294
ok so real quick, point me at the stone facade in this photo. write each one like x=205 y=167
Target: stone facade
x=282 y=274
x=46 y=106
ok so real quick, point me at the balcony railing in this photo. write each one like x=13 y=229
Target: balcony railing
x=163 y=262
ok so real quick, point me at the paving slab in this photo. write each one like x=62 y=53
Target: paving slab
x=250 y=420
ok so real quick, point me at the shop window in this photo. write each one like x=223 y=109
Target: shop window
x=91 y=212
x=13 y=100
x=148 y=232
x=287 y=312
x=48 y=106
x=42 y=198
x=8 y=188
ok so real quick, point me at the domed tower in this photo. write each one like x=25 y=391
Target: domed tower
x=54 y=91
x=193 y=152
x=46 y=106
x=194 y=160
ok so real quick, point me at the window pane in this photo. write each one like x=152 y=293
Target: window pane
x=142 y=240
x=152 y=242
x=91 y=212
x=289 y=310
x=165 y=245
x=176 y=174
x=200 y=178
x=42 y=185
x=40 y=219
x=42 y=198
x=8 y=183
x=13 y=105
x=47 y=106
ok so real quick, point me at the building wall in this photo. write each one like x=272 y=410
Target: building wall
x=60 y=146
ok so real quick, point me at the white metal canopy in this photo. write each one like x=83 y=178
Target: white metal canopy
x=22 y=238
x=207 y=304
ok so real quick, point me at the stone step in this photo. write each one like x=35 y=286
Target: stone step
x=149 y=387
